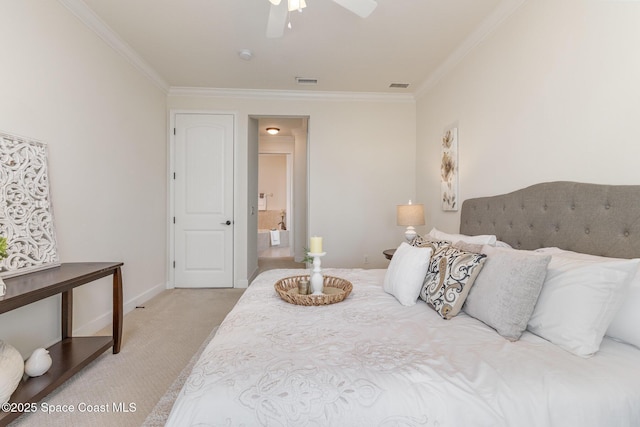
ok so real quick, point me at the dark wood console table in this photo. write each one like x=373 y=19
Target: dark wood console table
x=70 y=354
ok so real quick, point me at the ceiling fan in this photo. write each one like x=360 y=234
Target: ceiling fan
x=280 y=10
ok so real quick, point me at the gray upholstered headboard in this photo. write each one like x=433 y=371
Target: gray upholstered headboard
x=590 y=218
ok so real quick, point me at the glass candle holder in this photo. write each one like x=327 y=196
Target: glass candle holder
x=303 y=287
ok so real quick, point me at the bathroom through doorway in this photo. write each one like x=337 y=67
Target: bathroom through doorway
x=274 y=205
x=282 y=187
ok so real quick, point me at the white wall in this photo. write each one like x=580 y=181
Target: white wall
x=272 y=180
x=300 y=193
x=105 y=126
x=553 y=94
x=272 y=176
x=361 y=166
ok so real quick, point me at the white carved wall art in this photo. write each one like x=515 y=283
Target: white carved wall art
x=26 y=214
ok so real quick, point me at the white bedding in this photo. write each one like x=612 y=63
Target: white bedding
x=370 y=361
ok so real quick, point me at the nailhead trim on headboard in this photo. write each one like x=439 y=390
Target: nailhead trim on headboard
x=590 y=218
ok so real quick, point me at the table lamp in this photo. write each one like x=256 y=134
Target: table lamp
x=410 y=215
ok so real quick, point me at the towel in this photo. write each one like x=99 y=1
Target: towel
x=262 y=202
x=275 y=237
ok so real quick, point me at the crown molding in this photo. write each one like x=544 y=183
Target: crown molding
x=80 y=9
x=290 y=95
x=504 y=10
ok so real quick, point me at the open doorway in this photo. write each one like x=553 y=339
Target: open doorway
x=282 y=187
x=275 y=182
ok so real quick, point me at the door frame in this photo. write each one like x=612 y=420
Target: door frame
x=302 y=201
x=171 y=152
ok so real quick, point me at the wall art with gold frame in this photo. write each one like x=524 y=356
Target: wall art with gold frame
x=449 y=169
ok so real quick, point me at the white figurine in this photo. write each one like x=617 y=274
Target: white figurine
x=38 y=363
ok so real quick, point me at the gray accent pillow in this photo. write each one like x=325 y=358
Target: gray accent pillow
x=469 y=247
x=507 y=289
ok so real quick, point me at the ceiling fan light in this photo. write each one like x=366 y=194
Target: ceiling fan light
x=296 y=5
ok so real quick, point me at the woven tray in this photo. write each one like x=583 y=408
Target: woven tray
x=335 y=290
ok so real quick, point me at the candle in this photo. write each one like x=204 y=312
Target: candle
x=316 y=245
x=303 y=287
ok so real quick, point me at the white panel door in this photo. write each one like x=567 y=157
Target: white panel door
x=203 y=195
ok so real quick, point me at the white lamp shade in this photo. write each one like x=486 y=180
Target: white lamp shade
x=410 y=214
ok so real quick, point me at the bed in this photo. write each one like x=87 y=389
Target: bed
x=373 y=361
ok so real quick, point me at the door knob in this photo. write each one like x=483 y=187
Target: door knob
x=227 y=222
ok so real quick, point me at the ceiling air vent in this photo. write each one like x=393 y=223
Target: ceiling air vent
x=399 y=85
x=306 y=81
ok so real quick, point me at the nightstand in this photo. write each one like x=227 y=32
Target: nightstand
x=388 y=253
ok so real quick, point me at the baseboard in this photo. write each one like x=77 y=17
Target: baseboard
x=241 y=284
x=144 y=297
x=253 y=276
x=105 y=319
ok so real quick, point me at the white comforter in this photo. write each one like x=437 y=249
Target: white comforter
x=369 y=361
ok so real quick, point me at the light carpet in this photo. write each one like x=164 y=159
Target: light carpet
x=158 y=342
x=160 y=413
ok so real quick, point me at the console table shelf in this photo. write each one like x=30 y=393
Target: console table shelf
x=70 y=354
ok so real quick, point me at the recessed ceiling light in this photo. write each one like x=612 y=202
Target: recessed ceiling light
x=273 y=131
x=245 y=54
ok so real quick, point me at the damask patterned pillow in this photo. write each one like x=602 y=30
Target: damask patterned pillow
x=429 y=242
x=449 y=278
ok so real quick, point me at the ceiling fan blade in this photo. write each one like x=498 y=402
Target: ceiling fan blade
x=277 y=20
x=362 y=8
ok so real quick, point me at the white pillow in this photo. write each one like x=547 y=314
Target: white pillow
x=482 y=239
x=624 y=326
x=406 y=272
x=579 y=299
x=501 y=244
